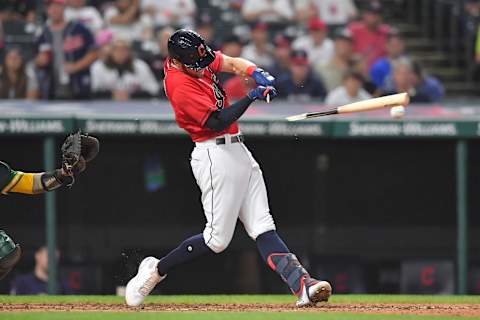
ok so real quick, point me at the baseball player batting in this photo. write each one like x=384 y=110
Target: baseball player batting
x=230 y=179
x=77 y=150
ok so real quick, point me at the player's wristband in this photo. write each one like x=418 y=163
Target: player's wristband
x=54 y=180
x=250 y=70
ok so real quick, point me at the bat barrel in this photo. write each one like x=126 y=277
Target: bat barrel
x=376 y=103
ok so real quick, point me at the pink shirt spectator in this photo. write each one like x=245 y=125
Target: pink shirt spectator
x=370 y=44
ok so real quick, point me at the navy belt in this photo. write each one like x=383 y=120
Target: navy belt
x=234 y=139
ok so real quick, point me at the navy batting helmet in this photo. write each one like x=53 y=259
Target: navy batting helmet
x=190 y=48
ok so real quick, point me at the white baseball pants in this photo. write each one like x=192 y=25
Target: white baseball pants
x=232 y=188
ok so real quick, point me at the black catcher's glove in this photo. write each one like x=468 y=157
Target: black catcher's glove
x=77 y=150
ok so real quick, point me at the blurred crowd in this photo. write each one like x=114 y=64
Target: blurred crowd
x=332 y=51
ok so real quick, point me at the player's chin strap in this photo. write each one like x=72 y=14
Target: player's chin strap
x=290 y=269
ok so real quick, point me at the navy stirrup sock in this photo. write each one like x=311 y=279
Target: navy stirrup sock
x=276 y=254
x=269 y=242
x=189 y=249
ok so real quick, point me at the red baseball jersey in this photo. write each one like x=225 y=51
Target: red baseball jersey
x=194 y=99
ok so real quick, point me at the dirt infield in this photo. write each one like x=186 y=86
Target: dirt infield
x=380 y=308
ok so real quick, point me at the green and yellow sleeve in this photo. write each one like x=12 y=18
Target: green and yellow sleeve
x=17 y=181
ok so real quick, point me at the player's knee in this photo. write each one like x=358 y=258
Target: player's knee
x=219 y=245
x=261 y=227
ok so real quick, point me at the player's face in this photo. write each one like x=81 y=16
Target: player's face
x=232 y=49
x=402 y=76
x=372 y=19
x=343 y=48
x=395 y=47
x=120 y=54
x=55 y=12
x=282 y=54
x=352 y=85
x=41 y=258
x=13 y=60
x=318 y=36
x=259 y=36
x=299 y=72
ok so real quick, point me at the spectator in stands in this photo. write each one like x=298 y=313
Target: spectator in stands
x=259 y=51
x=204 y=27
x=335 y=13
x=333 y=71
x=157 y=59
x=351 y=91
x=426 y=85
x=17 y=26
x=121 y=76
x=17 y=80
x=360 y=65
x=301 y=84
x=124 y=20
x=232 y=47
x=370 y=34
x=408 y=77
x=76 y=10
x=36 y=282
x=303 y=11
x=103 y=39
x=65 y=52
x=381 y=69
x=281 y=67
x=472 y=7
x=316 y=43
x=267 y=11
x=161 y=13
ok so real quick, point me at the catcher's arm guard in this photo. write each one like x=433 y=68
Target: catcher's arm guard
x=35 y=183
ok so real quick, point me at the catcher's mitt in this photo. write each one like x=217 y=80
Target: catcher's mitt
x=77 y=150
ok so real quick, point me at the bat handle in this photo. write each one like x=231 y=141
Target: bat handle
x=268 y=98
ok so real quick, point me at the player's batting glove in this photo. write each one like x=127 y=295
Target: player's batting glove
x=261 y=77
x=262 y=92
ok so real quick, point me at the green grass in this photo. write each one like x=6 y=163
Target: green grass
x=208 y=316
x=280 y=299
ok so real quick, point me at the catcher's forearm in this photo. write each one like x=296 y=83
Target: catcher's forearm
x=35 y=183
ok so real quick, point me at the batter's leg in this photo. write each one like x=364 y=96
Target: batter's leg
x=258 y=222
x=188 y=250
x=223 y=183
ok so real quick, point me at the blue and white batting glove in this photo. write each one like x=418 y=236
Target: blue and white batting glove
x=263 y=93
x=261 y=77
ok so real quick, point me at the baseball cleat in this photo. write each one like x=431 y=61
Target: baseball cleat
x=313 y=291
x=140 y=286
